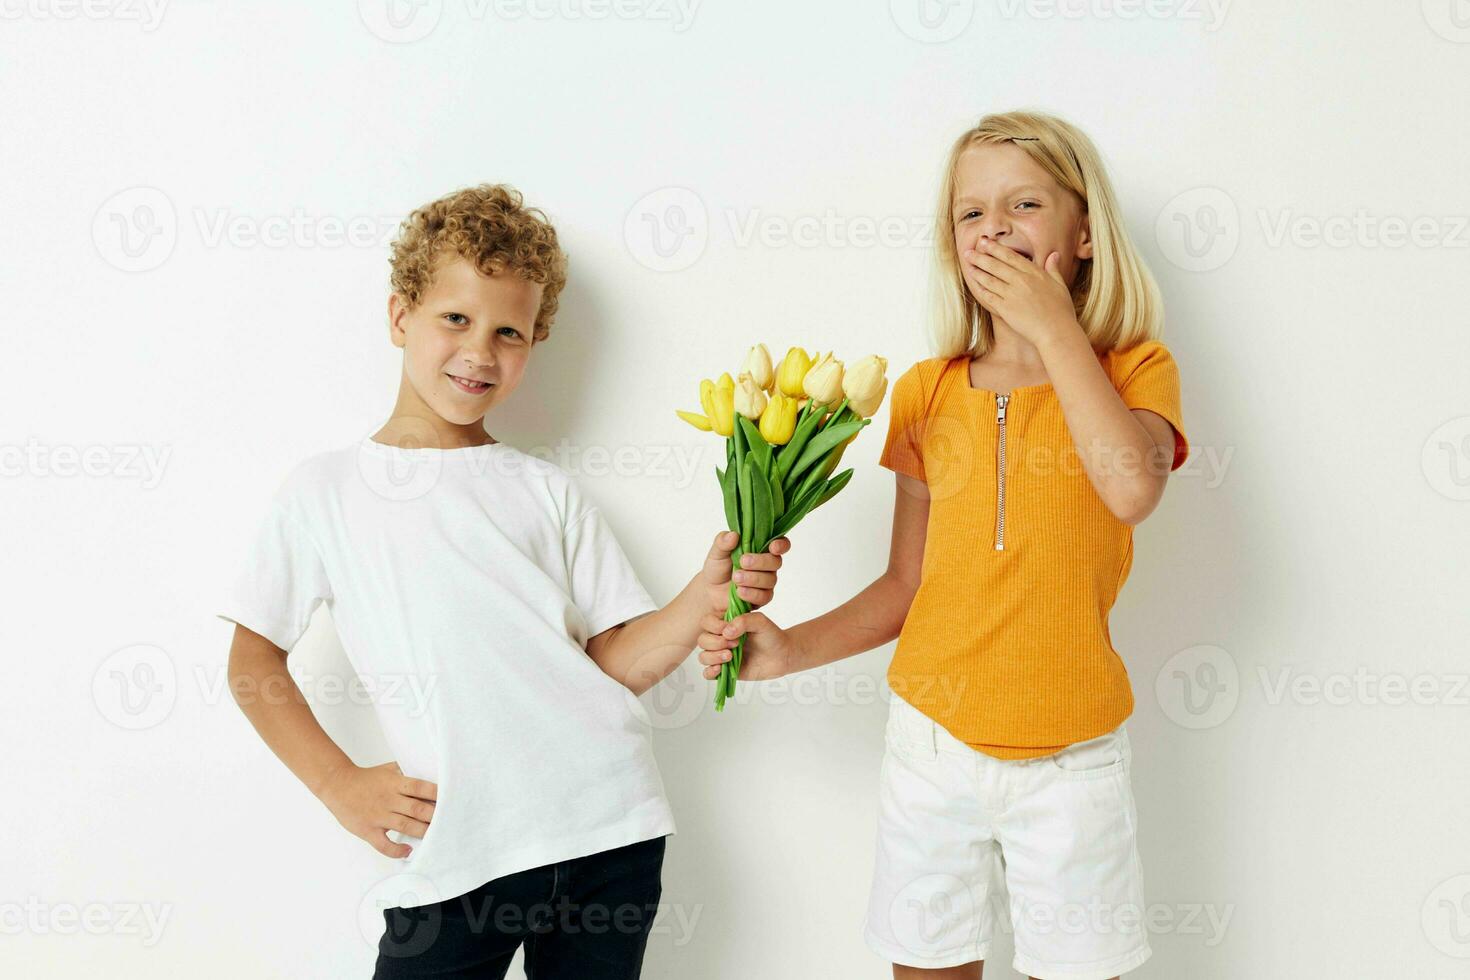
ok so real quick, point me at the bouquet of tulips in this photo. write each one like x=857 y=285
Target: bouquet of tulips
x=785 y=430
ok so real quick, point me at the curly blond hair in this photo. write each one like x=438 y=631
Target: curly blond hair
x=489 y=226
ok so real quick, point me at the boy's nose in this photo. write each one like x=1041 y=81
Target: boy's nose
x=478 y=355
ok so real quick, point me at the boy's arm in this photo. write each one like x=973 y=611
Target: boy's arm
x=643 y=651
x=367 y=801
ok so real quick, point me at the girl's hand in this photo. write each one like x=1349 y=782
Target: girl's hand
x=769 y=650
x=1033 y=299
x=371 y=801
x=756 y=576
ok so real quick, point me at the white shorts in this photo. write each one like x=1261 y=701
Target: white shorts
x=957 y=829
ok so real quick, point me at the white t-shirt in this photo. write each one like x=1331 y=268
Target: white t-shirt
x=464 y=584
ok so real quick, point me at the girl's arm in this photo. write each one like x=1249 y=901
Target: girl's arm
x=1126 y=452
x=869 y=619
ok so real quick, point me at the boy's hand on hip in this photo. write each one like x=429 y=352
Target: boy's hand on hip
x=756 y=576
x=370 y=801
x=769 y=650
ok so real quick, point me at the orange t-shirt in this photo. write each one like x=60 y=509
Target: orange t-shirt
x=1006 y=644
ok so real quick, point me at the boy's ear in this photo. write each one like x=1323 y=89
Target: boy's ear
x=397 y=310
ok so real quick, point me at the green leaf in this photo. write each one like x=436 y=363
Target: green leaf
x=759 y=448
x=778 y=497
x=832 y=487
x=817 y=475
x=728 y=491
x=760 y=493
x=791 y=452
x=796 y=512
x=737 y=437
x=824 y=442
x=746 y=504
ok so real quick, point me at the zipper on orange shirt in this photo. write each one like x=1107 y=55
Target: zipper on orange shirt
x=1000 y=472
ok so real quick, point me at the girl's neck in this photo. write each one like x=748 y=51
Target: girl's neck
x=1009 y=347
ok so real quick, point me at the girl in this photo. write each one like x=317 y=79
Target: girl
x=1024 y=454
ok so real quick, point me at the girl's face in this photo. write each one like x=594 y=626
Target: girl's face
x=1003 y=195
x=467 y=328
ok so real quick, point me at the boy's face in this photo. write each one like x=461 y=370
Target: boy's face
x=1004 y=195
x=467 y=328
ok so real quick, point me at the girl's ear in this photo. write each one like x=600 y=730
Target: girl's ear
x=1084 y=239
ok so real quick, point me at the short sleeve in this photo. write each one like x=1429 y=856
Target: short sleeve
x=902 y=450
x=280 y=583
x=604 y=586
x=1150 y=380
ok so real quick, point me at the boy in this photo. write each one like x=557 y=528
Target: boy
x=526 y=791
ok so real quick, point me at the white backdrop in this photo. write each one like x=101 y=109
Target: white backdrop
x=197 y=203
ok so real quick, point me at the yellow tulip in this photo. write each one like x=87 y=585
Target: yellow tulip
x=750 y=400
x=700 y=422
x=722 y=414
x=864 y=384
x=758 y=366
x=707 y=396
x=778 y=421
x=794 y=367
x=823 y=383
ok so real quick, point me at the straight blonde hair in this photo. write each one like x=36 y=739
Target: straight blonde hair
x=1117 y=301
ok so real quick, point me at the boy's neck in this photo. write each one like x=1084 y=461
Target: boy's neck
x=417 y=432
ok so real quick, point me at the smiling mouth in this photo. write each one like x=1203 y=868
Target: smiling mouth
x=470 y=386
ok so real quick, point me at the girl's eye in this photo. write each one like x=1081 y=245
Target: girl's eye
x=1028 y=204
x=970 y=214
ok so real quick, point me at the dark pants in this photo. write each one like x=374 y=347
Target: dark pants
x=583 y=919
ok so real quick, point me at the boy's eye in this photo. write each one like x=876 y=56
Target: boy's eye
x=510 y=332
x=458 y=319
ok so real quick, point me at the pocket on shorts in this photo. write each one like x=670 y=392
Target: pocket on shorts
x=910 y=735
x=1095 y=758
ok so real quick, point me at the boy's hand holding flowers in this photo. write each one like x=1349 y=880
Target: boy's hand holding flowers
x=755 y=579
